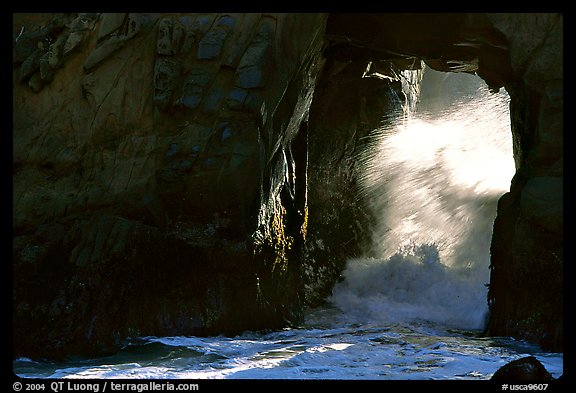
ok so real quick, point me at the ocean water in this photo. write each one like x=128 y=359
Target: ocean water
x=407 y=351
x=414 y=312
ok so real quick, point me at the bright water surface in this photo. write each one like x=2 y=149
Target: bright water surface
x=415 y=312
x=350 y=351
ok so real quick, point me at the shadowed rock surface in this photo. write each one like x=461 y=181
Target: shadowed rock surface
x=524 y=369
x=190 y=174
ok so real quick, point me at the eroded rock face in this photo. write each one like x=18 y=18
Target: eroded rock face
x=526 y=286
x=151 y=181
x=194 y=173
x=340 y=223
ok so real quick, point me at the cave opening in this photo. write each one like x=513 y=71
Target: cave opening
x=431 y=177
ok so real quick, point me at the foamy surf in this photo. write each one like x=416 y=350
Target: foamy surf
x=316 y=351
x=433 y=179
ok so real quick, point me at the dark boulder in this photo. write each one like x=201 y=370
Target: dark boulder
x=524 y=369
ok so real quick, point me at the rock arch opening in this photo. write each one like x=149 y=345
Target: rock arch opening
x=431 y=178
x=527 y=238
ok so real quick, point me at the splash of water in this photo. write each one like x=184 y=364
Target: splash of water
x=434 y=179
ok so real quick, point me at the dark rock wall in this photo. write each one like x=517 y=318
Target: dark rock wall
x=153 y=172
x=526 y=286
x=340 y=219
x=196 y=173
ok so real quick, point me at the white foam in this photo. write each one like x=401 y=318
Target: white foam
x=433 y=180
x=409 y=288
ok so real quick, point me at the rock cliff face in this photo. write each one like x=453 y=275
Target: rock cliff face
x=195 y=173
x=526 y=289
x=154 y=174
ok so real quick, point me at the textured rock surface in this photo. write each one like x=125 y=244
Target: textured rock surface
x=195 y=173
x=526 y=286
x=340 y=220
x=152 y=166
x=523 y=369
